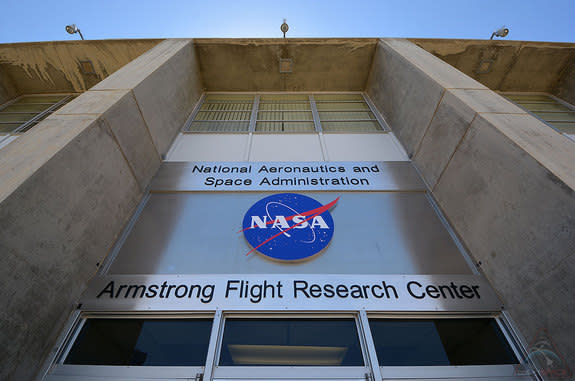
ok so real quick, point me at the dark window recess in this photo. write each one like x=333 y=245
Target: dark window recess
x=290 y=342
x=424 y=342
x=148 y=342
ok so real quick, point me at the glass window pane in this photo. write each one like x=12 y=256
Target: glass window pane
x=226 y=106
x=528 y=97
x=284 y=115
x=424 y=342
x=301 y=106
x=345 y=115
x=565 y=127
x=41 y=99
x=147 y=342
x=291 y=342
x=216 y=115
x=341 y=106
x=359 y=126
x=8 y=127
x=219 y=126
x=284 y=98
x=547 y=106
x=338 y=97
x=26 y=107
x=11 y=117
x=285 y=127
x=556 y=116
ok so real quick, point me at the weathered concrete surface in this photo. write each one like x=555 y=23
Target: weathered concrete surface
x=253 y=64
x=504 y=180
x=451 y=121
x=405 y=93
x=7 y=89
x=67 y=187
x=505 y=65
x=565 y=88
x=512 y=200
x=171 y=88
x=57 y=226
x=119 y=110
x=44 y=67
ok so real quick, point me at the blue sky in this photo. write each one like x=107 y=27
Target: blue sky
x=551 y=20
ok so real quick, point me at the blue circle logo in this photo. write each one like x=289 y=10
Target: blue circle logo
x=288 y=226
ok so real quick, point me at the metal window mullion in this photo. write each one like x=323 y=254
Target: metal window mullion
x=213 y=351
x=371 y=353
x=549 y=111
x=380 y=119
x=350 y=120
x=315 y=114
x=188 y=124
x=518 y=344
x=44 y=113
x=2 y=107
x=559 y=121
x=254 y=115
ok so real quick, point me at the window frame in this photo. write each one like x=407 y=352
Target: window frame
x=37 y=118
x=56 y=369
x=59 y=368
x=510 y=371
x=553 y=97
x=378 y=118
x=294 y=371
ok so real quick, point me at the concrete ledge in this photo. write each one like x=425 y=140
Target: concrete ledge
x=166 y=84
x=451 y=121
x=504 y=180
x=57 y=226
x=516 y=216
x=398 y=88
x=120 y=111
x=68 y=186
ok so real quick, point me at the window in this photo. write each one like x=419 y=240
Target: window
x=223 y=113
x=285 y=113
x=425 y=342
x=555 y=113
x=23 y=113
x=144 y=342
x=291 y=342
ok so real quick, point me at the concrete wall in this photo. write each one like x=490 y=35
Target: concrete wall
x=565 y=88
x=45 y=67
x=69 y=185
x=506 y=65
x=504 y=180
x=7 y=89
x=253 y=64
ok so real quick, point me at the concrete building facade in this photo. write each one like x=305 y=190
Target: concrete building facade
x=501 y=178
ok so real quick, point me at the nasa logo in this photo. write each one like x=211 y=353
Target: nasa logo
x=288 y=226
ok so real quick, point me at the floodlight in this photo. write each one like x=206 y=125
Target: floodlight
x=284 y=28
x=501 y=32
x=72 y=28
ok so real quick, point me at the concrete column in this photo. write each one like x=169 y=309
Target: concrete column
x=504 y=180
x=69 y=185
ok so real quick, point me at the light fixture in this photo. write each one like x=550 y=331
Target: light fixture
x=284 y=28
x=501 y=32
x=72 y=28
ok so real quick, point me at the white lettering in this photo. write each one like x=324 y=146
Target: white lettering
x=301 y=221
x=281 y=222
x=258 y=221
x=319 y=221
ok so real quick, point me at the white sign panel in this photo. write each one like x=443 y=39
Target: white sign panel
x=286 y=176
x=447 y=293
